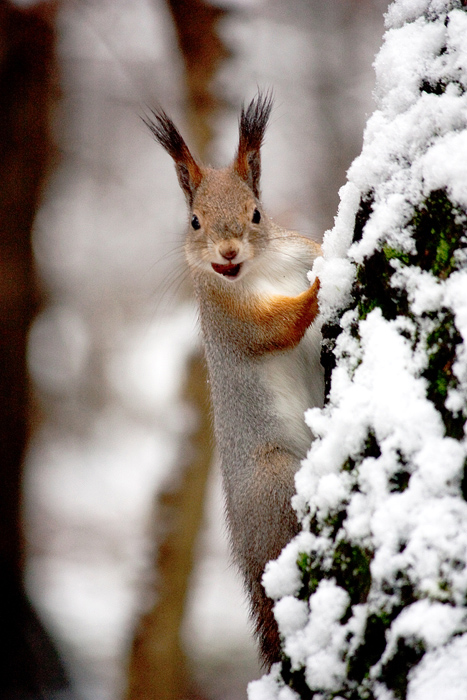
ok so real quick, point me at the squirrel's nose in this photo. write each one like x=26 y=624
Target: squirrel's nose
x=229 y=252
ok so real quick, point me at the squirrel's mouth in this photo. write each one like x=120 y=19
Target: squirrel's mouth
x=228 y=270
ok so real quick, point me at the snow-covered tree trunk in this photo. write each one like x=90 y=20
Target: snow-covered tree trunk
x=371 y=596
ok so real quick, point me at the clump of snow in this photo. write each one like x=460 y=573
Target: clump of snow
x=384 y=475
x=441 y=673
x=322 y=640
x=282 y=577
x=291 y=614
x=271 y=688
x=335 y=271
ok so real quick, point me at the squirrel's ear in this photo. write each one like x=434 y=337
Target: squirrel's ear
x=253 y=122
x=166 y=133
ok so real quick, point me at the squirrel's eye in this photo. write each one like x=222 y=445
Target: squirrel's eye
x=256 y=216
x=195 y=222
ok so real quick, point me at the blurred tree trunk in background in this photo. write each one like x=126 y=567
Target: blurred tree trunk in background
x=30 y=666
x=157 y=665
x=202 y=50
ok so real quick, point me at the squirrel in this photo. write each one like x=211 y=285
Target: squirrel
x=256 y=310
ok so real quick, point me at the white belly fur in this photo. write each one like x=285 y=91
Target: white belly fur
x=295 y=379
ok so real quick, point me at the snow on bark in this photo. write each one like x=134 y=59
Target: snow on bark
x=371 y=596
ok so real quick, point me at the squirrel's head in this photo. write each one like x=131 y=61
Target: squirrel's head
x=227 y=227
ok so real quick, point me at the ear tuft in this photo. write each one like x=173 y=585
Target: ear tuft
x=253 y=122
x=166 y=133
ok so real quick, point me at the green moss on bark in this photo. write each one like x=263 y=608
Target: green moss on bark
x=439 y=231
x=351 y=569
x=373 y=286
x=440 y=248
x=442 y=344
x=440 y=235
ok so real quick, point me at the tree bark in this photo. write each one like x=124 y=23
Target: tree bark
x=382 y=495
x=158 y=669
x=30 y=666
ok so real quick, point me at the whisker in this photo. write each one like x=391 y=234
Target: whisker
x=172 y=282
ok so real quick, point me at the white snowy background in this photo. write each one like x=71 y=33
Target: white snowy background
x=107 y=354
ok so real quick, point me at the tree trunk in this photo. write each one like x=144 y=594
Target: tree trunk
x=372 y=594
x=158 y=667
x=157 y=664
x=30 y=667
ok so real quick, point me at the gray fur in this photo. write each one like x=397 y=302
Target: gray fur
x=250 y=280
